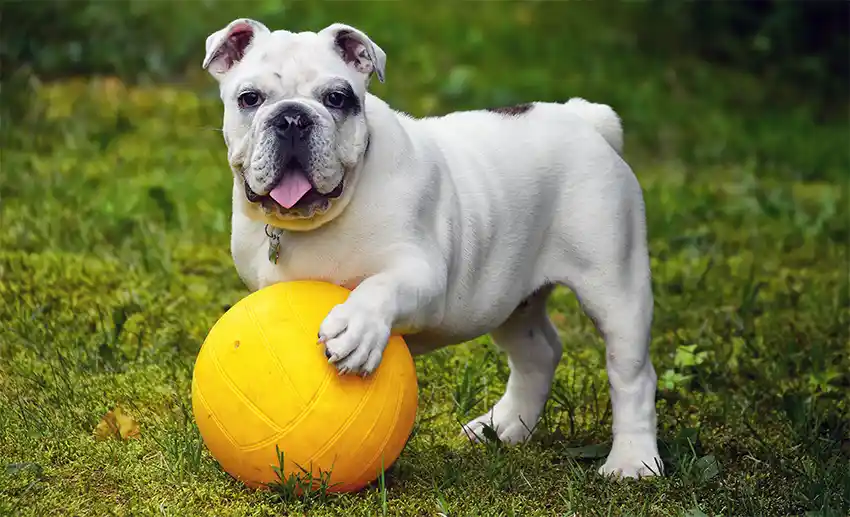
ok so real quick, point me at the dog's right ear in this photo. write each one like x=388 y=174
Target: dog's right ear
x=228 y=46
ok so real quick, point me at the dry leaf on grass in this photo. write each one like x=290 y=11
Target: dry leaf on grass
x=116 y=424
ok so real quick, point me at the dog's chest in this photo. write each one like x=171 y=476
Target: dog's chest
x=261 y=261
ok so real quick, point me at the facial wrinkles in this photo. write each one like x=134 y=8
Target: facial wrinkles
x=295 y=69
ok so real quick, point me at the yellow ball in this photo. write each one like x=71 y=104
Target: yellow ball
x=261 y=380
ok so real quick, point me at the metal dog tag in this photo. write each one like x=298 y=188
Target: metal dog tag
x=274 y=243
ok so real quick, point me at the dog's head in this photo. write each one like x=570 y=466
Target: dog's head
x=294 y=120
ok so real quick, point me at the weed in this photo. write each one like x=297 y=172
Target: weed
x=306 y=487
x=468 y=391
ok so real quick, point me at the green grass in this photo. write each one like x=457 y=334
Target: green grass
x=114 y=263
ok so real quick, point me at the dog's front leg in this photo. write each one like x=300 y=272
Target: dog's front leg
x=399 y=299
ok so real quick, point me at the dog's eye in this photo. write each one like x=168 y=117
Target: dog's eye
x=249 y=100
x=335 y=100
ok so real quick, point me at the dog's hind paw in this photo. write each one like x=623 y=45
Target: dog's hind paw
x=633 y=456
x=509 y=425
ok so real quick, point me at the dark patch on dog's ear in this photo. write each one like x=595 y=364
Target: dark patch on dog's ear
x=226 y=47
x=512 y=111
x=357 y=50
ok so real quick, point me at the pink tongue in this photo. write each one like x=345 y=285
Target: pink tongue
x=291 y=188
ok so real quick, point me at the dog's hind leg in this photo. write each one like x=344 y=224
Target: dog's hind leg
x=623 y=316
x=608 y=270
x=534 y=349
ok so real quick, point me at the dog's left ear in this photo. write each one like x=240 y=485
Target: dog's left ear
x=357 y=50
x=226 y=47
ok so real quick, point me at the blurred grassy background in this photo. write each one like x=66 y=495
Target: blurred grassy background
x=778 y=70
x=114 y=262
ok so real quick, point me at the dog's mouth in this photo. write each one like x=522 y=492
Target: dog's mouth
x=294 y=192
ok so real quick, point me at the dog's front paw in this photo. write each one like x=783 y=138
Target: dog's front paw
x=354 y=338
x=633 y=456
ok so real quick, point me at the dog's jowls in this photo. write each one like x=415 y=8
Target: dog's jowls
x=446 y=228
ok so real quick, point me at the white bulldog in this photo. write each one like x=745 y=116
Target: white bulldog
x=446 y=228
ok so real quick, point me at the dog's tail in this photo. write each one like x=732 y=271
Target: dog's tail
x=602 y=117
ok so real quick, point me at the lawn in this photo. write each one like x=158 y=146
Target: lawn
x=114 y=264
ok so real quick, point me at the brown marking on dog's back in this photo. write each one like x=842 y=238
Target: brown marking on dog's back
x=512 y=111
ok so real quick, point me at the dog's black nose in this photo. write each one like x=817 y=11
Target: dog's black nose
x=292 y=121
